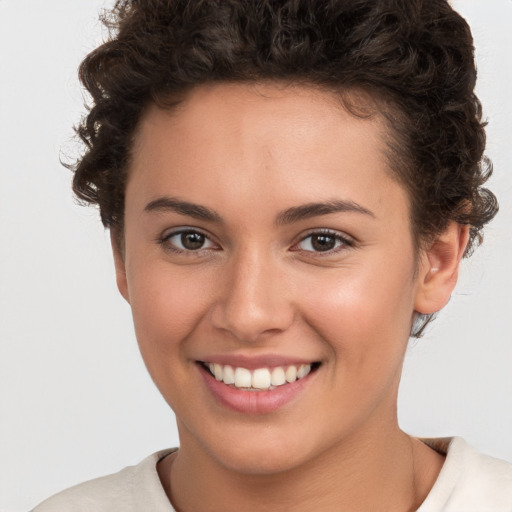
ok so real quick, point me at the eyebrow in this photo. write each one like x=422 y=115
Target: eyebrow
x=288 y=216
x=171 y=204
x=309 y=210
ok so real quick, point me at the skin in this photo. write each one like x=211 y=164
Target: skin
x=248 y=152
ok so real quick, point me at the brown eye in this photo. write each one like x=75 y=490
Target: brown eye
x=192 y=241
x=187 y=241
x=323 y=242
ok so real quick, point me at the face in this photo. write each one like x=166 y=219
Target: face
x=264 y=238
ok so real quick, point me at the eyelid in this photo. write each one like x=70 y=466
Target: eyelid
x=168 y=234
x=347 y=241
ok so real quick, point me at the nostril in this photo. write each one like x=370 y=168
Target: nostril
x=248 y=324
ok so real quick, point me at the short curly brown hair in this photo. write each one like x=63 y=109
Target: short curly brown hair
x=415 y=57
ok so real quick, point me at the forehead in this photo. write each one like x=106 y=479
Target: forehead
x=256 y=141
x=263 y=106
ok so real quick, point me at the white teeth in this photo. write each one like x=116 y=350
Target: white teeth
x=260 y=379
x=291 y=374
x=278 y=378
x=303 y=370
x=217 y=371
x=229 y=375
x=243 y=378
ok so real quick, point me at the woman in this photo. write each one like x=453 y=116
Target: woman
x=290 y=188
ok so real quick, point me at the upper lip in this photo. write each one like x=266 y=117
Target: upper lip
x=256 y=361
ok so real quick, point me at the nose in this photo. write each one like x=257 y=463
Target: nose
x=255 y=300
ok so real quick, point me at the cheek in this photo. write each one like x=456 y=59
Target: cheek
x=167 y=307
x=363 y=317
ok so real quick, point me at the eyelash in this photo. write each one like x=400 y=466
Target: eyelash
x=343 y=241
x=165 y=241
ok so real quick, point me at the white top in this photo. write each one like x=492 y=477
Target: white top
x=468 y=482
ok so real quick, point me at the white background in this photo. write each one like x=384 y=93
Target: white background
x=75 y=399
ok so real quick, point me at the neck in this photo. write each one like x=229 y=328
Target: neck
x=379 y=471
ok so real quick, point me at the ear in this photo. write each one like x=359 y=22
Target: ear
x=119 y=264
x=439 y=268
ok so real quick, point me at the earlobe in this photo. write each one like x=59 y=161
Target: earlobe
x=119 y=263
x=439 y=268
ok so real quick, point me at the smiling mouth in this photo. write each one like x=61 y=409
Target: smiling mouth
x=261 y=379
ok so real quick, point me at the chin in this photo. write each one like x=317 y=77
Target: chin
x=258 y=461
x=261 y=452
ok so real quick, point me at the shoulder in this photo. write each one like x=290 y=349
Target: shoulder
x=125 y=491
x=469 y=481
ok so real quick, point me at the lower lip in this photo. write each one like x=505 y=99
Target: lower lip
x=253 y=402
